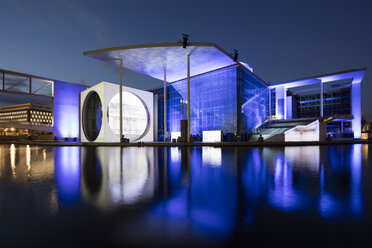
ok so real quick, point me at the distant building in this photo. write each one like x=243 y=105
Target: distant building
x=28 y=113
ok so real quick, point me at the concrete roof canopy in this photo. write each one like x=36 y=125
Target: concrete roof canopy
x=153 y=59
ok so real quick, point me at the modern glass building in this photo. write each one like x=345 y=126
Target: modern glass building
x=214 y=92
x=231 y=99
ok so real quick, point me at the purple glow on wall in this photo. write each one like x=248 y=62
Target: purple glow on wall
x=66 y=109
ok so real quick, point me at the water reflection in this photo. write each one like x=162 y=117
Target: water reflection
x=22 y=163
x=67 y=174
x=212 y=156
x=113 y=176
x=202 y=192
x=303 y=158
x=341 y=181
x=12 y=159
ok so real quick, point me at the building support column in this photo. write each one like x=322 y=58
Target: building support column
x=281 y=103
x=285 y=103
x=121 y=99
x=321 y=99
x=30 y=85
x=165 y=105
x=188 y=98
x=270 y=114
x=356 y=110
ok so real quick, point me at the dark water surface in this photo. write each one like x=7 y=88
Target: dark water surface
x=202 y=196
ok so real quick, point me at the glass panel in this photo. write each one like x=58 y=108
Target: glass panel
x=92 y=116
x=41 y=87
x=213 y=103
x=16 y=83
x=135 y=116
x=255 y=102
x=336 y=99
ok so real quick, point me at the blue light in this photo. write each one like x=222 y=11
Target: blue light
x=66 y=109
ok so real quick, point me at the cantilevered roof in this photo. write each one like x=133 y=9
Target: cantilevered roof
x=355 y=74
x=153 y=59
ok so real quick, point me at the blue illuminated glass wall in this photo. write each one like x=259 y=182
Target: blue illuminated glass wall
x=230 y=99
x=213 y=103
x=254 y=97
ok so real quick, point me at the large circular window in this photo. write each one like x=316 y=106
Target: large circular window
x=92 y=116
x=135 y=116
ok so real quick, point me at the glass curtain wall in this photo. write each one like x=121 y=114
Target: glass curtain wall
x=254 y=96
x=213 y=103
x=217 y=103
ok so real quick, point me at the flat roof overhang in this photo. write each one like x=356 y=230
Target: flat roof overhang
x=170 y=59
x=356 y=75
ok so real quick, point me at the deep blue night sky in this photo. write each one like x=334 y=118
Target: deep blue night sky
x=281 y=40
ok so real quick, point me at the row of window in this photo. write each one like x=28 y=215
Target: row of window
x=18 y=120
x=12 y=117
x=41 y=117
x=41 y=120
x=13 y=113
x=40 y=112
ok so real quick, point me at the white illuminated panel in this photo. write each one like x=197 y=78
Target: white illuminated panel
x=175 y=135
x=212 y=136
x=308 y=132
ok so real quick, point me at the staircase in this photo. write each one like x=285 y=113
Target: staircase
x=274 y=130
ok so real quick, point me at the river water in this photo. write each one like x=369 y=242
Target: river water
x=201 y=196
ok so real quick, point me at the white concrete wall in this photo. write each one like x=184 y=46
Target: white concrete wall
x=280 y=103
x=299 y=133
x=106 y=92
x=99 y=88
x=356 y=110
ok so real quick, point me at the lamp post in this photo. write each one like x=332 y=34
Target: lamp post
x=188 y=98
x=121 y=99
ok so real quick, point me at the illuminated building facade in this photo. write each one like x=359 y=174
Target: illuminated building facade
x=334 y=97
x=213 y=91
x=32 y=113
x=230 y=99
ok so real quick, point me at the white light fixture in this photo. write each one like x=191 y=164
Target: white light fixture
x=212 y=136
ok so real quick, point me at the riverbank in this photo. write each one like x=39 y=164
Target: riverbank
x=170 y=144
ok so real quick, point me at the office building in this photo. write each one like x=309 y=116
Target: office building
x=219 y=95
